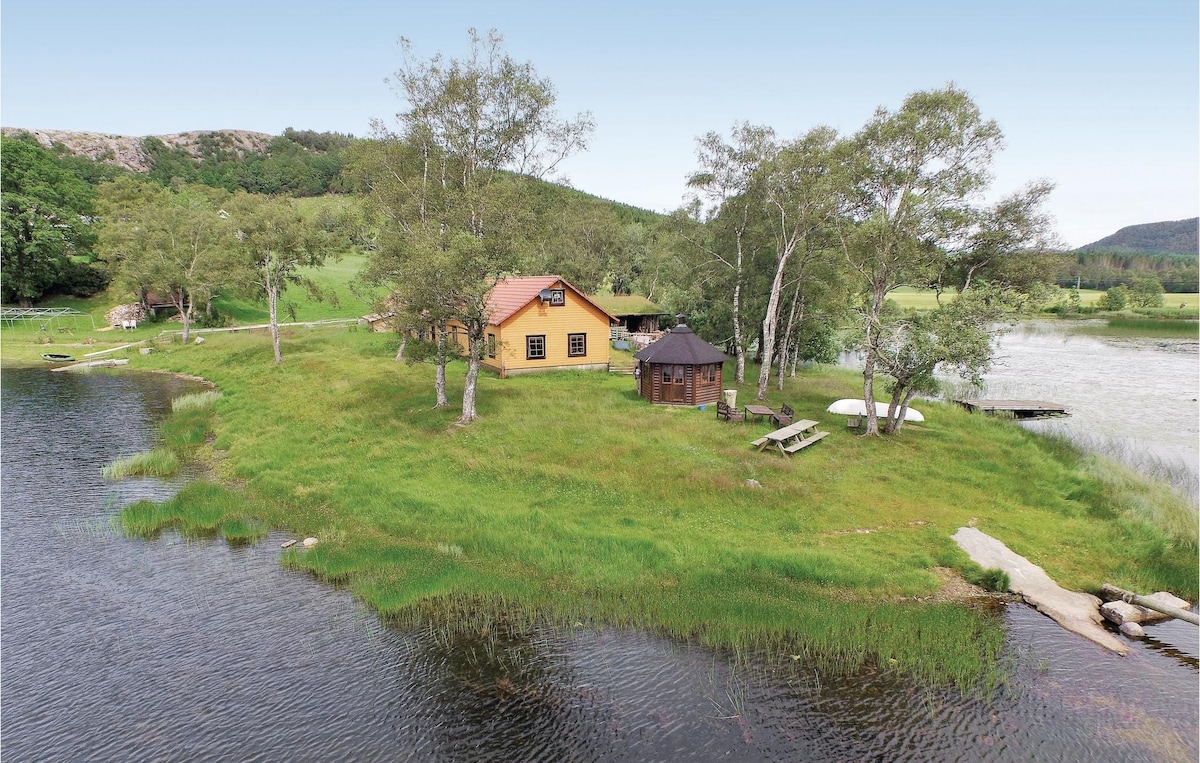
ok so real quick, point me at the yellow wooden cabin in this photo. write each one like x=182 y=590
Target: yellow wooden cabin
x=542 y=323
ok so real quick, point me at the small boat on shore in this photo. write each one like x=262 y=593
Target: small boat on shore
x=55 y=357
x=853 y=407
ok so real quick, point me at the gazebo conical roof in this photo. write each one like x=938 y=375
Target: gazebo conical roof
x=681 y=345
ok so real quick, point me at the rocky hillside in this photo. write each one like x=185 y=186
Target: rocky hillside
x=129 y=152
x=1170 y=237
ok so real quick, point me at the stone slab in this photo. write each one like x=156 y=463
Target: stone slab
x=1074 y=611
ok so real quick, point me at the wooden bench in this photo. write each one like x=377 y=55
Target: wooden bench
x=731 y=414
x=759 y=442
x=854 y=422
x=804 y=443
x=784 y=417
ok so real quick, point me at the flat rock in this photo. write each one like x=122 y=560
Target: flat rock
x=1077 y=612
x=1120 y=613
x=310 y=542
x=1133 y=630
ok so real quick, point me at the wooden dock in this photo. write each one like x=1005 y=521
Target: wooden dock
x=1018 y=409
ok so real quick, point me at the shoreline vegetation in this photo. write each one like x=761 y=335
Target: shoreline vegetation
x=573 y=501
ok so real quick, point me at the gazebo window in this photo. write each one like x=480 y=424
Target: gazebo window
x=666 y=374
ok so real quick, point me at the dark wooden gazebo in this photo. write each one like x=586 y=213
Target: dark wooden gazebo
x=680 y=369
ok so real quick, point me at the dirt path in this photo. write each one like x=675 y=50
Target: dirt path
x=1077 y=612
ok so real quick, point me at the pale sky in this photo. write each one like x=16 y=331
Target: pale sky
x=1100 y=97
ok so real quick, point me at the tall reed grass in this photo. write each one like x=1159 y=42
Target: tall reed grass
x=159 y=462
x=195 y=401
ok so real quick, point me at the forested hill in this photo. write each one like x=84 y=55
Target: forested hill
x=1169 y=237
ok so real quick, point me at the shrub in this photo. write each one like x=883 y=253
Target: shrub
x=80 y=279
x=1116 y=298
x=1146 y=292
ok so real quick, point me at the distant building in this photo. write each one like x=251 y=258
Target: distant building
x=542 y=323
x=635 y=314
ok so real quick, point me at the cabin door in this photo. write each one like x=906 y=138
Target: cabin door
x=673 y=388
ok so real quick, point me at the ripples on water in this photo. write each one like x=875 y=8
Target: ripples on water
x=1134 y=398
x=122 y=649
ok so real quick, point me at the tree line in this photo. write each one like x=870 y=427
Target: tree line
x=785 y=245
x=1104 y=270
x=785 y=239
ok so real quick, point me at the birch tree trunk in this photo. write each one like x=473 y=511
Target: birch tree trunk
x=771 y=320
x=179 y=299
x=439 y=382
x=273 y=309
x=739 y=340
x=475 y=349
x=871 y=345
x=785 y=349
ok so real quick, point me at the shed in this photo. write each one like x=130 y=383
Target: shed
x=680 y=369
x=635 y=314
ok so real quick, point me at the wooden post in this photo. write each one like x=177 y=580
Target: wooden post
x=1132 y=598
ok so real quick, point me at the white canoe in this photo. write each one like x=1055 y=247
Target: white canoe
x=852 y=407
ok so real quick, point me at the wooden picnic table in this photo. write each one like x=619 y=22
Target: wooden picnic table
x=791 y=438
x=761 y=411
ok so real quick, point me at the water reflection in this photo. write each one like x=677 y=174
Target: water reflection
x=122 y=649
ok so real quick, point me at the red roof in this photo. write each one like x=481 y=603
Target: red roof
x=511 y=294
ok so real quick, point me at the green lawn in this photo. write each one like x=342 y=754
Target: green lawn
x=574 y=499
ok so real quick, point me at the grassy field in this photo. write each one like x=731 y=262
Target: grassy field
x=25 y=342
x=573 y=499
x=924 y=299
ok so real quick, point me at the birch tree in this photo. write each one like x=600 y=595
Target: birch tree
x=914 y=175
x=276 y=242
x=472 y=126
x=725 y=200
x=799 y=200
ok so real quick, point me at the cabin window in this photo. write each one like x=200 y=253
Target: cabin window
x=491 y=346
x=576 y=345
x=535 y=347
x=558 y=297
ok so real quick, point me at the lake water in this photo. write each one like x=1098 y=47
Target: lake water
x=1133 y=397
x=1130 y=397
x=114 y=648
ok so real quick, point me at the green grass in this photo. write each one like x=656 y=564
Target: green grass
x=574 y=500
x=159 y=462
x=911 y=298
x=1151 y=326
x=198 y=401
x=340 y=299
